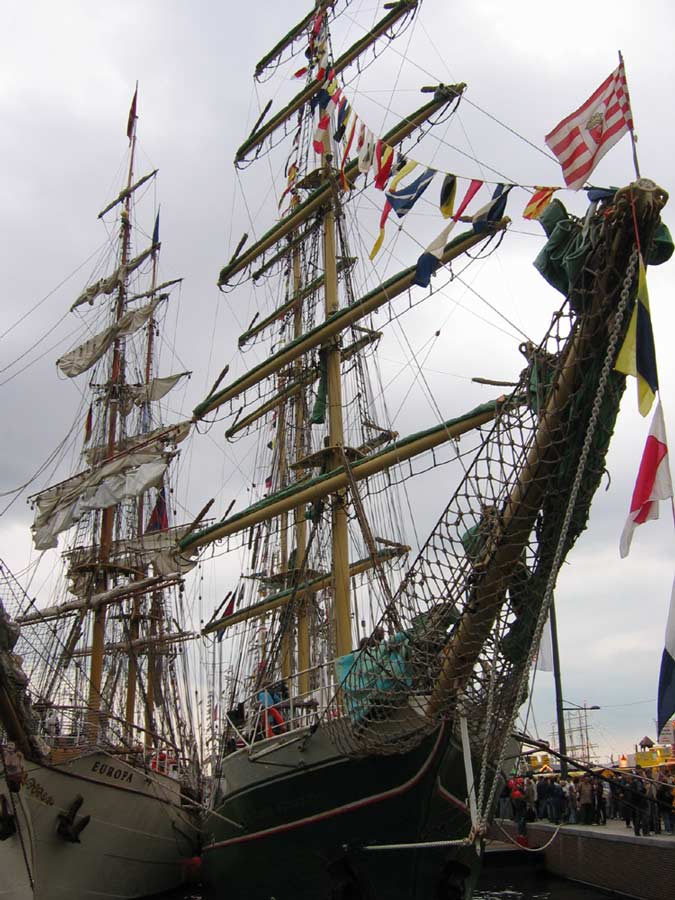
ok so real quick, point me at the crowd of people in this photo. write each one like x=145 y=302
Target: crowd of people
x=644 y=800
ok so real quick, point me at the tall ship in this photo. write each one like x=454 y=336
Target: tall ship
x=366 y=693
x=101 y=776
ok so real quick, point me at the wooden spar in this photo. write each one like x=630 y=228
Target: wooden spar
x=126 y=193
x=292 y=36
x=306 y=492
x=339 y=321
x=312 y=205
x=142 y=644
x=305 y=377
x=507 y=547
x=155 y=290
x=300 y=592
x=298 y=297
x=115 y=595
x=402 y=8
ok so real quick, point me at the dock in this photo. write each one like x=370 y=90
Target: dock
x=610 y=857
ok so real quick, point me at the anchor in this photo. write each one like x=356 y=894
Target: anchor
x=67 y=828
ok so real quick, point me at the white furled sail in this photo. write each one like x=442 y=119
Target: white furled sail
x=172 y=434
x=108 y=285
x=127 y=476
x=83 y=357
x=155 y=389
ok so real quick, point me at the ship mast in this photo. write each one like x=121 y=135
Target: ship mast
x=108 y=517
x=312 y=599
x=339 y=521
x=136 y=617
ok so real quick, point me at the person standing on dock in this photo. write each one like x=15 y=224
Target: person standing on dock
x=665 y=801
x=586 y=800
x=572 y=799
x=599 y=802
x=640 y=803
x=625 y=797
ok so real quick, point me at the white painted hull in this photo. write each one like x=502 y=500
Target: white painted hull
x=134 y=845
x=16 y=852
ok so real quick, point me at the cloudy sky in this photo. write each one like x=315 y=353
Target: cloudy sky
x=67 y=73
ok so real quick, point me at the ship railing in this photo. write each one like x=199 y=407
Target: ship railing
x=273 y=710
x=65 y=728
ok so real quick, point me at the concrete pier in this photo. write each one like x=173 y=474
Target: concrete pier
x=606 y=856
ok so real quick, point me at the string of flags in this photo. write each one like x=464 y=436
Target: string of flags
x=579 y=141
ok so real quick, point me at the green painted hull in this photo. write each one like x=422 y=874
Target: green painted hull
x=305 y=817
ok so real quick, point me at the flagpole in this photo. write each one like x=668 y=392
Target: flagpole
x=633 y=137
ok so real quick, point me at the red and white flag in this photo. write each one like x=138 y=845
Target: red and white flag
x=653 y=481
x=582 y=139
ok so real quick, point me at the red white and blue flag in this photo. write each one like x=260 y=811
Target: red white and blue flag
x=582 y=138
x=666 y=693
x=159 y=519
x=653 y=481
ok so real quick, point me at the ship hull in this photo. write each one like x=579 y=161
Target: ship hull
x=302 y=818
x=135 y=844
x=16 y=850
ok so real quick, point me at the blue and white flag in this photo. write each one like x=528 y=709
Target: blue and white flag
x=666 y=694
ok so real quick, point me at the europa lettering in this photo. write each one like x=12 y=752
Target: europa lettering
x=123 y=775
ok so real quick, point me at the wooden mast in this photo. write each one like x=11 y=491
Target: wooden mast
x=135 y=622
x=299 y=511
x=339 y=521
x=108 y=517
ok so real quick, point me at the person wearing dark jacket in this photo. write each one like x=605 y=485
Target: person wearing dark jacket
x=640 y=803
x=599 y=802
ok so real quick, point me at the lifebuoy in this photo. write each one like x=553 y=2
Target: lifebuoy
x=279 y=726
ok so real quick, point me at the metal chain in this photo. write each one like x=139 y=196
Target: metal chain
x=557 y=559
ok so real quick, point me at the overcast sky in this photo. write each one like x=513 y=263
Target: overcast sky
x=67 y=73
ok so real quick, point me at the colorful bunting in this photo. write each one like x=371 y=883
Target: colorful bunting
x=448 y=191
x=344 y=110
x=320 y=133
x=366 y=150
x=343 y=177
x=384 y=160
x=538 y=202
x=471 y=192
x=492 y=211
x=402 y=200
x=429 y=262
x=637 y=355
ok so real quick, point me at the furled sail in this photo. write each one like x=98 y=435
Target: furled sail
x=108 y=285
x=155 y=389
x=60 y=507
x=83 y=357
x=173 y=434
